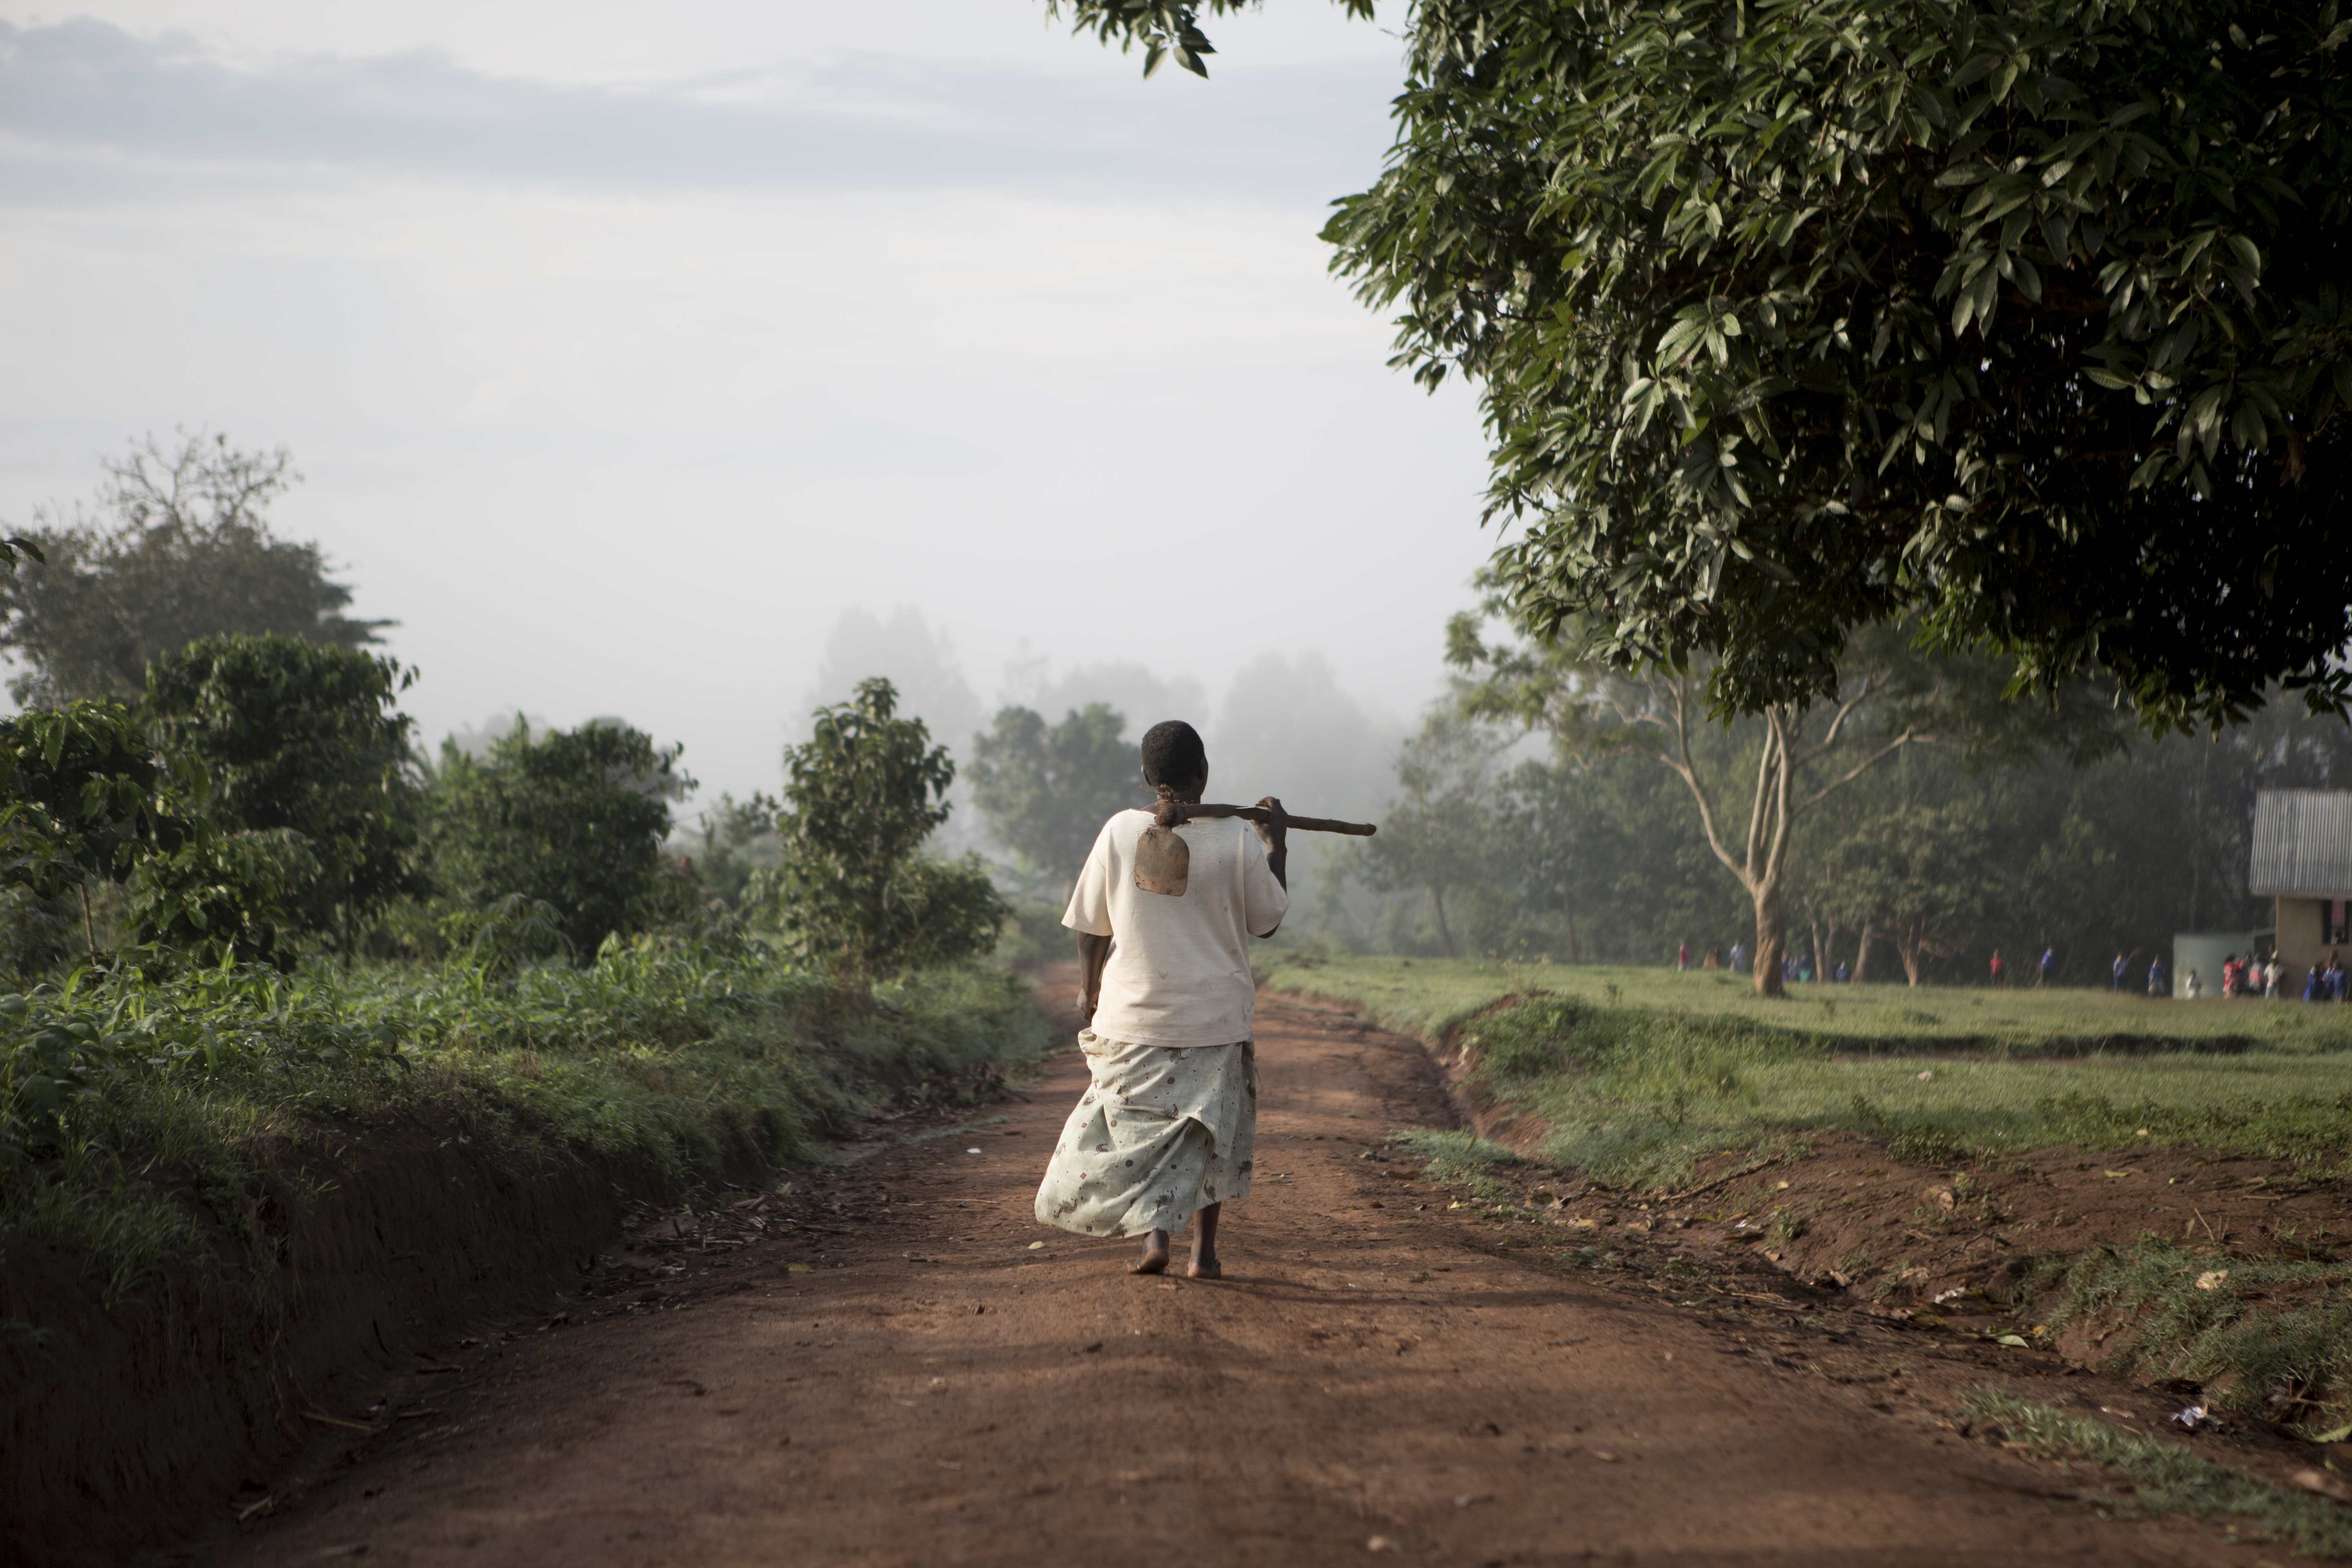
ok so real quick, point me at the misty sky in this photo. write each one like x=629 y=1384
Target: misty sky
x=626 y=347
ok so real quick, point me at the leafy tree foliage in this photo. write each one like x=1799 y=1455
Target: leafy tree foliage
x=575 y=820
x=177 y=547
x=2022 y=320
x=1450 y=829
x=853 y=887
x=1920 y=868
x=226 y=896
x=301 y=738
x=736 y=840
x=84 y=798
x=1046 y=789
x=1791 y=759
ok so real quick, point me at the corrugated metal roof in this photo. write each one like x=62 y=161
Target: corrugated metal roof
x=2303 y=843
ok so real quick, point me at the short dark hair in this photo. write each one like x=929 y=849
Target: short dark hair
x=1173 y=755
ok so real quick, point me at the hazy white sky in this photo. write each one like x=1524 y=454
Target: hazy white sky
x=625 y=346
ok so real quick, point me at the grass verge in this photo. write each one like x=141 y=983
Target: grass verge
x=1639 y=1075
x=140 y=1115
x=1650 y=1083
x=2168 y=1479
x=1431 y=995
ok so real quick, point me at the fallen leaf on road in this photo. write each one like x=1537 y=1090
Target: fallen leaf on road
x=1605 y=1457
x=2335 y=1434
x=2211 y=1279
x=1381 y=1544
x=2014 y=1341
x=1036 y=1247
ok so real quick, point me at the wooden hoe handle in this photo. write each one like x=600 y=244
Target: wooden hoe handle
x=1260 y=813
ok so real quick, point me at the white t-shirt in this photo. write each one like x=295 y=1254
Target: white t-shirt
x=1178 y=971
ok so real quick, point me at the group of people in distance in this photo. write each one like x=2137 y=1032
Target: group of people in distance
x=2045 y=968
x=1794 y=970
x=2252 y=976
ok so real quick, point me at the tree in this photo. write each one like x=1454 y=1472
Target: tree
x=301 y=737
x=737 y=840
x=178 y=547
x=2022 y=320
x=1447 y=830
x=224 y=896
x=853 y=885
x=573 y=818
x=1923 y=872
x=1047 y=790
x=84 y=797
x=1786 y=760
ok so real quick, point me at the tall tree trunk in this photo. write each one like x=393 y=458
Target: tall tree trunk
x=1861 y=954
x=1821 y=964
x=1771 y=940
x=1570 y=916
x=1437 y=902
x=89 y=930
x=1825 y=961
x=1911 y=947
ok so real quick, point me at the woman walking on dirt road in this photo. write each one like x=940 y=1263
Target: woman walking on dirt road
x=1164 y=913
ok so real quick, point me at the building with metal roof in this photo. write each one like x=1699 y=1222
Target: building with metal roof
x=2302 y=860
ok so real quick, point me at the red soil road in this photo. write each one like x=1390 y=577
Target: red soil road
x=935 y=1390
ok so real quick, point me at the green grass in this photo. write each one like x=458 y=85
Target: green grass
x=1639 y=1075
x=2168 y=1479
x=1431 y=995
x=2269 y=1338
x=138 y=1114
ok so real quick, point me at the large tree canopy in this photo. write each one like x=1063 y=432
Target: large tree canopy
x=1046 y=788
x=177 y=547
x=2022 y=320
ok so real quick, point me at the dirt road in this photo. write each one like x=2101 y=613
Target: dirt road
x=1376 y=1374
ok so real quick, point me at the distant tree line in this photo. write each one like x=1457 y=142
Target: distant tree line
x=212 y=768
x=1537 y=836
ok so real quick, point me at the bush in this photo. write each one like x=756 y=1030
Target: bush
x=293 y=737
x=853 y=887
x=575 y=820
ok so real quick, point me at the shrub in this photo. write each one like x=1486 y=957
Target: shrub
x=575 y=820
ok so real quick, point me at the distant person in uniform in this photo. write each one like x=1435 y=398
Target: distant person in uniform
x=2273 y=973
x=1739 y=959
x=2196 y=987
x=2049 y=965
x=2120 y=967
x=1681 y=958
x=2156 y=976
x=1996 y=966
x=2311 y=983
x=1167 y=1128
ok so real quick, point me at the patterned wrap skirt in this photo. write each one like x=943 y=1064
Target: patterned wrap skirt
x=1162 y=1131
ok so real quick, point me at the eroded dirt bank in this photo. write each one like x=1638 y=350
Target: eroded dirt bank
x=120 y=1423
x=906 y=1377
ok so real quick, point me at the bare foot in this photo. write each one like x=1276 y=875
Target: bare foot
x=1155 y=1255
x=1204 y=1266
